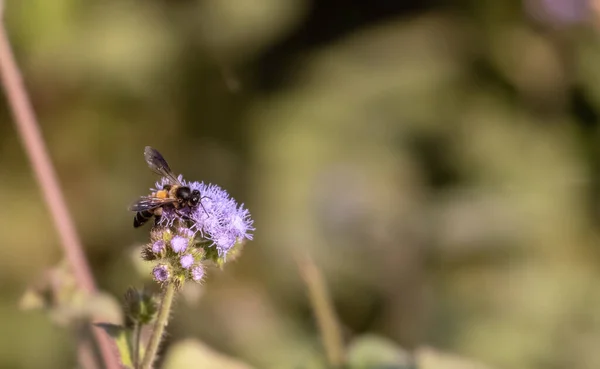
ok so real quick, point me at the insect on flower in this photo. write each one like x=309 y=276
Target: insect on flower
x=174 y=193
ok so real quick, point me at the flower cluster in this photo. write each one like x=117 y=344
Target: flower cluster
x=179 y=259
x=217 y=218
x=183 y=240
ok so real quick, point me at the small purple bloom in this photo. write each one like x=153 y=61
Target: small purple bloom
x=197 y=273
x=186 y=232
x=241 y=223
x=161 y=273
x=158 y=246
x=224 y=241
x=186 y=261
x=179 y=244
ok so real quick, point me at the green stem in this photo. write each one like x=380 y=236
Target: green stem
x=159 y=326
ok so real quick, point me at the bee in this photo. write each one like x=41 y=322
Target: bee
x=173 y=194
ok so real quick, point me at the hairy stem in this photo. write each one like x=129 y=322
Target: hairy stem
x=159 y=326
x=30 y=134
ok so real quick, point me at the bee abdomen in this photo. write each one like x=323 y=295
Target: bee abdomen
x=141 y=218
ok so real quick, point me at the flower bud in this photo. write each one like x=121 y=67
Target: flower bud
x=158 y=246
x=197 y=273
x=161 y=273
x=179 y=244
x=186 y=261
x=147 y=253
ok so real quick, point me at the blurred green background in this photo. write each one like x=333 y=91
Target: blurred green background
x=438 y=159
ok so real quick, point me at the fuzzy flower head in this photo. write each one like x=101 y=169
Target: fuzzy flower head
x=161 y=273
x=184 y=238
x=179 y=244
x=218 y=219
x=158 y=246
x=186 y=261
x=197 y=273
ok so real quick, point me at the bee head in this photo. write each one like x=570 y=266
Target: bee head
x=194 y=198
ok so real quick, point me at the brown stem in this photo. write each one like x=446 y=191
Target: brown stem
x=37 y=153
x=85 y=353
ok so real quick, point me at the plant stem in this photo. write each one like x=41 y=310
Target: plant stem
x=30 y=133
x=85 y=353
x=331 y=333
x=37 y=152
x=159 y=326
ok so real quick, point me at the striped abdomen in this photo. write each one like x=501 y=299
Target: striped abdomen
x=141 y=217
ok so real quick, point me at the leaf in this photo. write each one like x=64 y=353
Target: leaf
x=122 y=338
x=373 y=352
x=103 y=306
x=429 y=358
x=194 y=354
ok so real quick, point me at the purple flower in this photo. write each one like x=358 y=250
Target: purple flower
x=220 y=219
x=241 y=223
x=224 y=241
x=197 y=273
x=161 y=273
x=179 y=244
x=186 y=232
x=186 y=261
x=158 y=246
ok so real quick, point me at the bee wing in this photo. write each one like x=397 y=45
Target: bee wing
x=149 y=203
x=159 y=165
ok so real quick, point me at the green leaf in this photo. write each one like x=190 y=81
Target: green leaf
x=194 y=354
x=122 y=338
x=373 y=352
x=429 y=358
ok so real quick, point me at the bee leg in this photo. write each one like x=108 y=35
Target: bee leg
x=182 y=216
x=200 y=202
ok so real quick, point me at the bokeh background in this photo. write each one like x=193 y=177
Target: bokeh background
x=438 y=159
